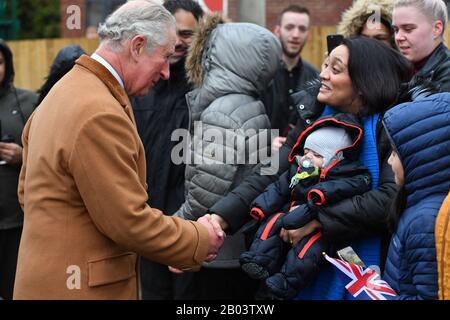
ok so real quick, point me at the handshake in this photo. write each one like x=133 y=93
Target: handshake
x=216 y=234
x=215 y=225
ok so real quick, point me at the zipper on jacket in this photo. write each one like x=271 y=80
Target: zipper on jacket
x=324 y=172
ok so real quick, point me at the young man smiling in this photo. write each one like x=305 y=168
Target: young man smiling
x=292 y=30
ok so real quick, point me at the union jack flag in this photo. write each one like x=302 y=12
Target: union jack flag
x=365 y=283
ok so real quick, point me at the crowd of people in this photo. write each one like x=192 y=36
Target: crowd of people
x=94 y=204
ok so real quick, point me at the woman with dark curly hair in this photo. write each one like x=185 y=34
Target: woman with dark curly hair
x=16 y=105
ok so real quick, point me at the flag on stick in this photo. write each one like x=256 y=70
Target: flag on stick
x=365 y=283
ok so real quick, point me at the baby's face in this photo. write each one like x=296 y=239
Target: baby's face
x=316 y=158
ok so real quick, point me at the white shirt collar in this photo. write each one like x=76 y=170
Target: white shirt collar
x=108 y=66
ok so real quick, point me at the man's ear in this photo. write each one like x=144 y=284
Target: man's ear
x=438 y=29
x=277 y=31
x=137 y=46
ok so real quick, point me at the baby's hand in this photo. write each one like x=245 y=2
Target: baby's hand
x=294 y=236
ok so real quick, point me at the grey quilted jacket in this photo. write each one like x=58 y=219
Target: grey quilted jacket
x=230 y=64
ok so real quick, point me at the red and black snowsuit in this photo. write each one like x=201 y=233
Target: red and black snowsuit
x=286 y=269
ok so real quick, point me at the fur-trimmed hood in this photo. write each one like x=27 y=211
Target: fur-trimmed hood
x=232 y=57
x=354 y=18
x=194 y=66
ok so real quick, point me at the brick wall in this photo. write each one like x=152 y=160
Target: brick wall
x=76 y=33
x=323 y=12
x=232 y=14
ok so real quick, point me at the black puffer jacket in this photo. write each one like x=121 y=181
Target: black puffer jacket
x=350 y=219
x=277 y=98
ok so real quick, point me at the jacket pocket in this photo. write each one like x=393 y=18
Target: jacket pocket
x=111 y=269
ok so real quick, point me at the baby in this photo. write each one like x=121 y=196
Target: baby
x=324 y=170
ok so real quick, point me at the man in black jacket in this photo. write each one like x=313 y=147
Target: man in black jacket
x=292 y=30
x=158 y=115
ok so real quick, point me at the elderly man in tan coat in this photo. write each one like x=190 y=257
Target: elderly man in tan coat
x=82 y=184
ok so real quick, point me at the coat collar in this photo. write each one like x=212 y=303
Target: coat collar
x=437 y=58
x=109 y=80
x=104 y=75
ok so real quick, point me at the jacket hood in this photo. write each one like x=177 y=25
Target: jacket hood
x=63 y=63
x=66 y=57
x=420 y=133
x=194 y=58
x=347 y=121
x=354 y=18
x=229 y=58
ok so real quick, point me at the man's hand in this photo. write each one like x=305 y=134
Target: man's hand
x=175 y=270
x=11 y=153
x=294 y=236
x=216 y=236
x=216 y=239
x=277 y=143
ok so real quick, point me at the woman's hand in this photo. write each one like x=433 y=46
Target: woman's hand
x=219 y=220
x=175 y=270
x=294 y=236
x=11 y=153
x=277 y=143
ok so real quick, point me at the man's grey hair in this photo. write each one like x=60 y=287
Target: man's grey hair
x=434 y=9
x=137 y=17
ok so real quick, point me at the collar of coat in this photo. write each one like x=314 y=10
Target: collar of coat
x=104 y=75
x=438 y=59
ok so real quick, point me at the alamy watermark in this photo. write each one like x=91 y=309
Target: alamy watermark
x=374 y=20
x=212 y=145
x=73 y=282
x=73 y=21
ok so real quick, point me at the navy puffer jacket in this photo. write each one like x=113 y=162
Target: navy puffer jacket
x=420 y=131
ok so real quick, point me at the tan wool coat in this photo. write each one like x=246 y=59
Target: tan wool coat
x=83 y=191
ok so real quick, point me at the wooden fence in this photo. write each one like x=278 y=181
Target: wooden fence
x=33 y=58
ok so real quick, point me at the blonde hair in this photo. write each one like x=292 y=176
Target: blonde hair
x=435 y=10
